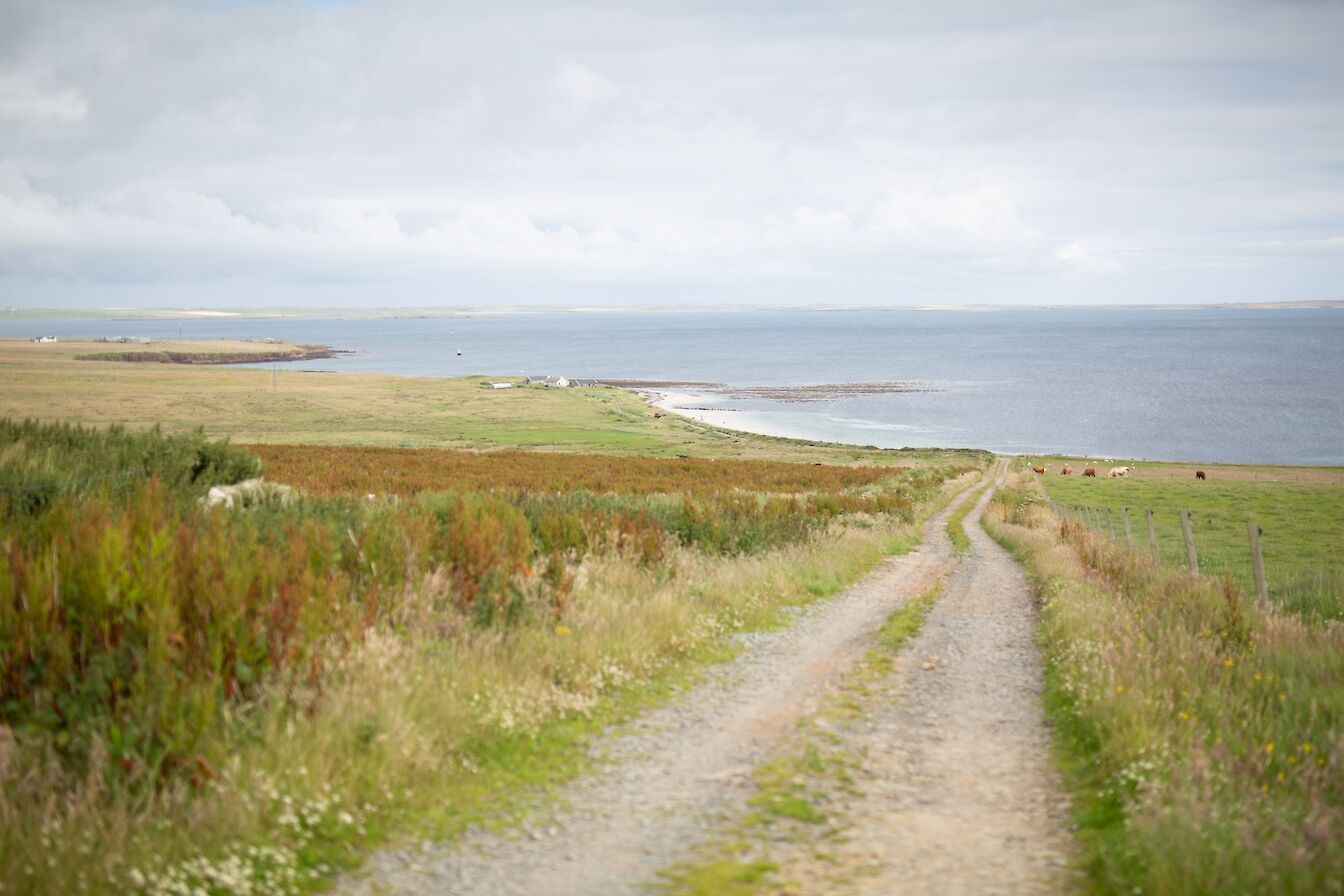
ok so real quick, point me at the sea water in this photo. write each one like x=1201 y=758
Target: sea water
x=1235 y=385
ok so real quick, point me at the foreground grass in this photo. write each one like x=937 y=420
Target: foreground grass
x=1302 y=527
x=798 y=791
x=1203 y=740
x=45 y=382
x=421 y=737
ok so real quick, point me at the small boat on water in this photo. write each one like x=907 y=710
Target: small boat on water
x=459 y=353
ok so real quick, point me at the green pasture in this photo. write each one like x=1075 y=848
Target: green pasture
x=1302 y=527
x=281 y=404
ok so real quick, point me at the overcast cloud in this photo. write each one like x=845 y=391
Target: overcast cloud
x=233 y=154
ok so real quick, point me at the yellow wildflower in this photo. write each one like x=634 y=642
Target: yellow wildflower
x=1269 y=747
x=562 y=630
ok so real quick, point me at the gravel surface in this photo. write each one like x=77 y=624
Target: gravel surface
x=957 y=794
x=666 y=785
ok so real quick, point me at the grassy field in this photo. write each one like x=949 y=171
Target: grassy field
x=243 y=701
x=1201 y=737
x=1299 y=510
x=45 y=382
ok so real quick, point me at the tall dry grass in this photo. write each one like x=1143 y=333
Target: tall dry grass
x=1204 y=739
x=414 y=730
x=326 y=470
x=240 y=702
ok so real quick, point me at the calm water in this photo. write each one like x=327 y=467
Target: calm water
x=1215 y=385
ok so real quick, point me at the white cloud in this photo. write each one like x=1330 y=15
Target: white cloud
x=1036 y=152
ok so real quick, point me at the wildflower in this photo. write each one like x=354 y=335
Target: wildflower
x=1305 y=748
x=1229 y=662
x=1269 y=747
x=1119 y=689
x=562 y=630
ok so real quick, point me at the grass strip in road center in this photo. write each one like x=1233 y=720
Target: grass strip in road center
x=956 y=523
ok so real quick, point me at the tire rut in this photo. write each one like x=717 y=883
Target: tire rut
x=663 y=786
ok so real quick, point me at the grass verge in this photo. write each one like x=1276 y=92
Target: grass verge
x=1201 y=738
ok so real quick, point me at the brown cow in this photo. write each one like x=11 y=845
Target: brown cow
x=1200 y=474
x=1038 y=469
x=1090 y=471
x=1067 y=471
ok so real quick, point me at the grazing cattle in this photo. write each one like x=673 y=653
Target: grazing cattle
x=1118 y=471
x=1090 y=471
x=1038 y=469
x=1067 y=471
x=1200 y=474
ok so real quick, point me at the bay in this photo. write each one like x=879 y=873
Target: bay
x=1238 y=385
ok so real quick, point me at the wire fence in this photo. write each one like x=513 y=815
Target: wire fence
x=1205 y=544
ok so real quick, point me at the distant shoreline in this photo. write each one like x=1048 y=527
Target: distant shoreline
x=14 y=313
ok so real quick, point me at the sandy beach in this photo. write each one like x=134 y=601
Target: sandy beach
x=697 y=406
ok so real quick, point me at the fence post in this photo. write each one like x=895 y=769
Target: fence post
x=1152 y=538
x=1258 y=561
x=1129 y=532
x=1189 y=542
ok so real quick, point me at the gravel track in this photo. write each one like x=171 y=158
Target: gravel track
x=664 y=786
x=957 y=794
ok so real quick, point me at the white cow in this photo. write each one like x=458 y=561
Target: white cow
x=1120 y=471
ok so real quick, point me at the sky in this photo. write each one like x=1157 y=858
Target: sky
x=394 y=154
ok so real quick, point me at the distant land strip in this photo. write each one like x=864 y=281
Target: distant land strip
x=302 y=353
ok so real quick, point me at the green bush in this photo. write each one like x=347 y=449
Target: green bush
x=40 y=462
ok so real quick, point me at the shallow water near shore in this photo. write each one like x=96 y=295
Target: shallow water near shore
x=1233 y=385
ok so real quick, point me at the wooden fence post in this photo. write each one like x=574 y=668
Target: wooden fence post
x=1152 y=538
x=1129 y=532
x=1189 y=542
x=1258 y=562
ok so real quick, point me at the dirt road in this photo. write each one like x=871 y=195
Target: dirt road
x=959 y=793
x=956 y=791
